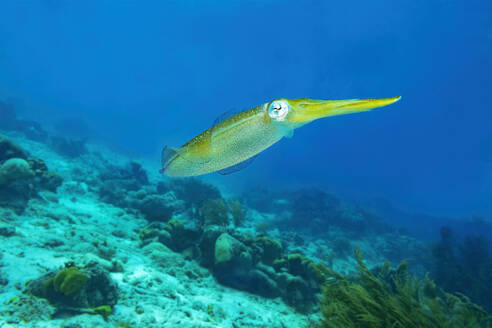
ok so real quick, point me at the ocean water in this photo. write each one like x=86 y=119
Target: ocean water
x=92 y=235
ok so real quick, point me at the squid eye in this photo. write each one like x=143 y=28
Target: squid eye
x=278 y=110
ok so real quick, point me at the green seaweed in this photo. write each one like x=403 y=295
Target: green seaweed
x=103 y=310
x=394 y=298
x=238 y=213
x=69 y=281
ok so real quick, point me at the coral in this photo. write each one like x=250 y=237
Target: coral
x=44 y=178
x=69 y=281
x=181 y=237
x=300 y=265
x=14 y=169
x=237 y=211
x=392 y=298
x=194 y=192
x=138 y=172
x=27 y=309
x=22 y=177
x=271 y=249
x=155 y=208
x=75 y=288
x=214 y=212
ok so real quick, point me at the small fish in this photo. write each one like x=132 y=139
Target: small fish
x=234 y=140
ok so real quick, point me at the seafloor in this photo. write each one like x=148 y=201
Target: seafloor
x=91 y=238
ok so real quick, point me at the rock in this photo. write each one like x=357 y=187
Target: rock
x=163 y=236
x=181 y=236
x=15 y=184
x=72 y=287
x=227 y=249
x=233 y=262
x=260 y=283
x=207 y=245
x=296 y=291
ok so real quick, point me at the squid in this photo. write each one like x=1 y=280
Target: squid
x=235 y=139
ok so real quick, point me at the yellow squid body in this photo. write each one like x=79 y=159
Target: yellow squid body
x=239 y=138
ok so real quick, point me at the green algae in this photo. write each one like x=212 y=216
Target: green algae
x=103 y=310
x=69 y=281
x=394 y=298
x=237 y=212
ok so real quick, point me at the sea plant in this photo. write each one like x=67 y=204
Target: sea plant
x=464 y=267
x=237 y=212
x=68 y=282
x=394 y=298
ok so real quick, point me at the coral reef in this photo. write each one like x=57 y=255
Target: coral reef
x=214 y=212
x=22 y=177
x=159 y=252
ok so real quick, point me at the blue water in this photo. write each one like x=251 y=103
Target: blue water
x=147 y=75
x=100 y=87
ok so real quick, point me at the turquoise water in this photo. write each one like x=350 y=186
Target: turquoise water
x=91 y=92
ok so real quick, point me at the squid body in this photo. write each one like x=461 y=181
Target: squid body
x=233 y=141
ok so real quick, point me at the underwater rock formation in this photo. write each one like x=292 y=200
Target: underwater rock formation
x=76 y=289
x=15 y=169
x=21 y=177
x=127 y=187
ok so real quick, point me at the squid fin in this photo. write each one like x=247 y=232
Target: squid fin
x=221 y=118
x=237 y=167
x=167 y=155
